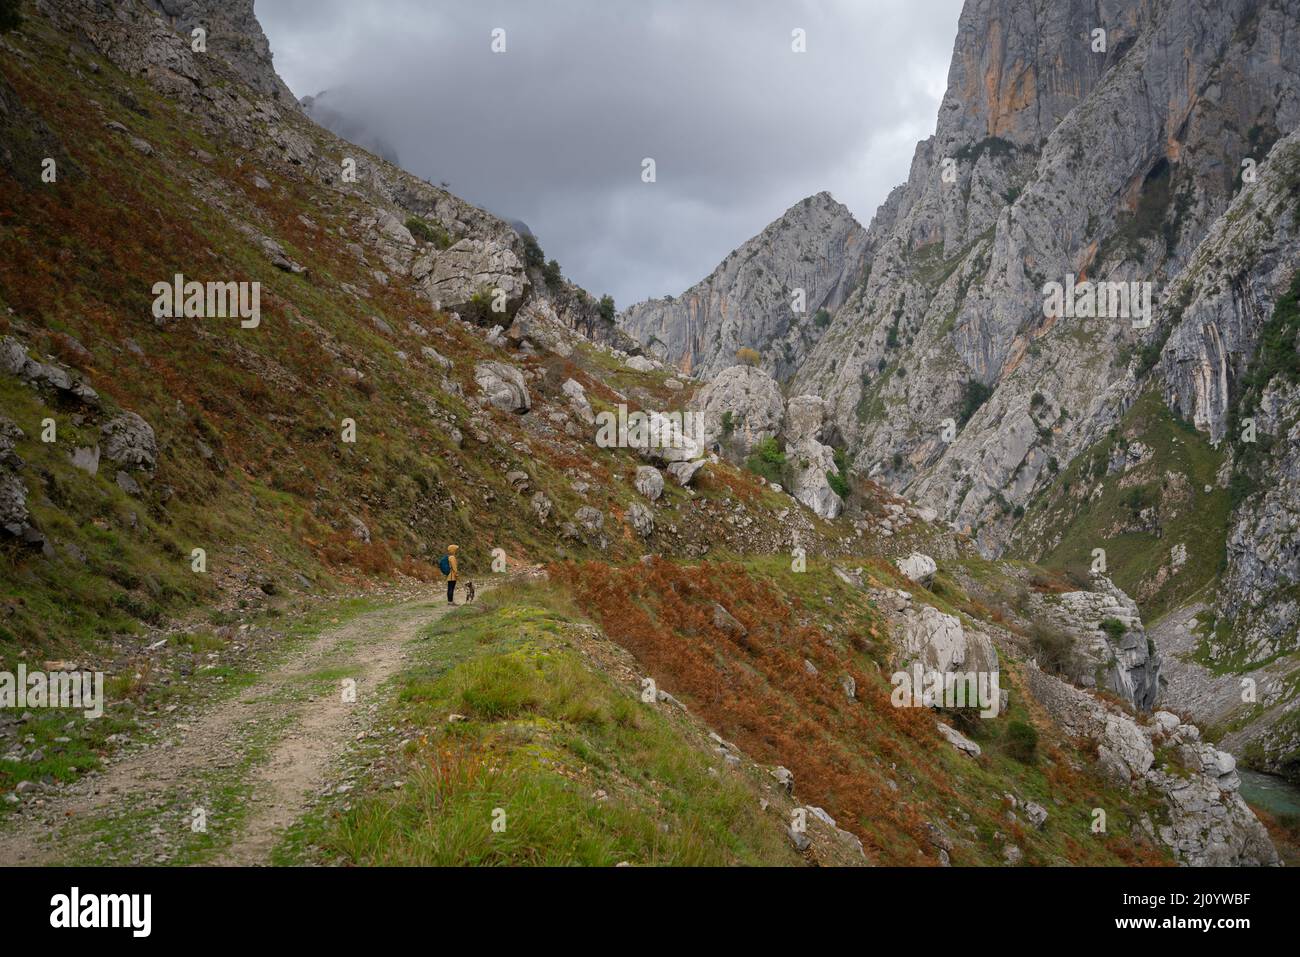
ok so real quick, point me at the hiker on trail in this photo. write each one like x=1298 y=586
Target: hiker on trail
x=447 y=565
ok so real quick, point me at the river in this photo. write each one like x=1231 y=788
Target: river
x=1273 y=794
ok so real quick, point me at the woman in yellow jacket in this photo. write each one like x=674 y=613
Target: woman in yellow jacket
x=452 y=569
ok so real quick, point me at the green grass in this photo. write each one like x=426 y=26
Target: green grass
x=1186 y=513
x=544 y=734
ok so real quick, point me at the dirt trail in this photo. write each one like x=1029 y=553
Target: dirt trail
x=252 y=762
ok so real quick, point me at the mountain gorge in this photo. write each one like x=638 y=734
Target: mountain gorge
x=1123 y=142
x=684 y=654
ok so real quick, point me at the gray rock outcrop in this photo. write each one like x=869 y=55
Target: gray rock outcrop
x=749 y=300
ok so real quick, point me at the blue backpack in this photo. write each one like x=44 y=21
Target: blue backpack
x=444 y=564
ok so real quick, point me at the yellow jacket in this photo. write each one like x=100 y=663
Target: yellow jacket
x=451 y=556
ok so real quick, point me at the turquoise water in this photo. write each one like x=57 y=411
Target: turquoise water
x=1271 y=793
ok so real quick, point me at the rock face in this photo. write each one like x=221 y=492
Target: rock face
x=249 y=57
x=15 y=519
x=742 y=406
x=809 y=461
x=474 y=267
x=129 y=441
x=503 y=386
x=1007 y=196
x=939 y=643
x=748 y=302
x=1124 y=662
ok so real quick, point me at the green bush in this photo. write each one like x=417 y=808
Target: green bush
x=839 y=479
x=1114 y=628
x=534 y=258
x=974 y=395
x=767 y=460
x=427 y=232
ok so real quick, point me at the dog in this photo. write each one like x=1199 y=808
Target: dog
x=469 y=592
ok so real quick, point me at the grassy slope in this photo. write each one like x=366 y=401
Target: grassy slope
x=1088 y=508
x=588 y=774
x=276 y=499
x=583 y=771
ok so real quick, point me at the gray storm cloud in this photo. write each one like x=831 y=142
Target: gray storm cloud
x=553 y=131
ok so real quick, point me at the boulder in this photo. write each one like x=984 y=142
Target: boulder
x=503 y=386
x=592 y=519
x=578 y=401
x=725 y=621
x=642 y=519
x=959 y=740
x=470 y=267
x=683 y=473
x=649 y=482
x=804 y=417
x=940 y=643
x=129 y=441
x=917 y=567
x=753 y=399
x=809 y=463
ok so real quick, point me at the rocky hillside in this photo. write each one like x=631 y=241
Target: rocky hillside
x=775 y=295
x=178 y=482
x=1148 y=144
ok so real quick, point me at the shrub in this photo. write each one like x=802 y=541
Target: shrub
x=427 y=232
x=1114 y=628
x=1054 y=650
x=839 y=479
x=534 y=258
x=1022 y=742
x=552 y=276
x=767 y=460
x=728 y=424
x=821 y=319
x=606 y=308
x=974 y=395
x=749 y=357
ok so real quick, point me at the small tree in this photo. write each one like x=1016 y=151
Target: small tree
x=606 y=308
x=749 y=357
x=534 y=258
x=551 y=275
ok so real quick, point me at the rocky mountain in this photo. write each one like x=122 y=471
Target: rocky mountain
x=774 y=295
x=368 y=367
x=1140 y=155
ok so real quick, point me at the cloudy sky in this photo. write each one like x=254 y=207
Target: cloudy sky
x=554 y=130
